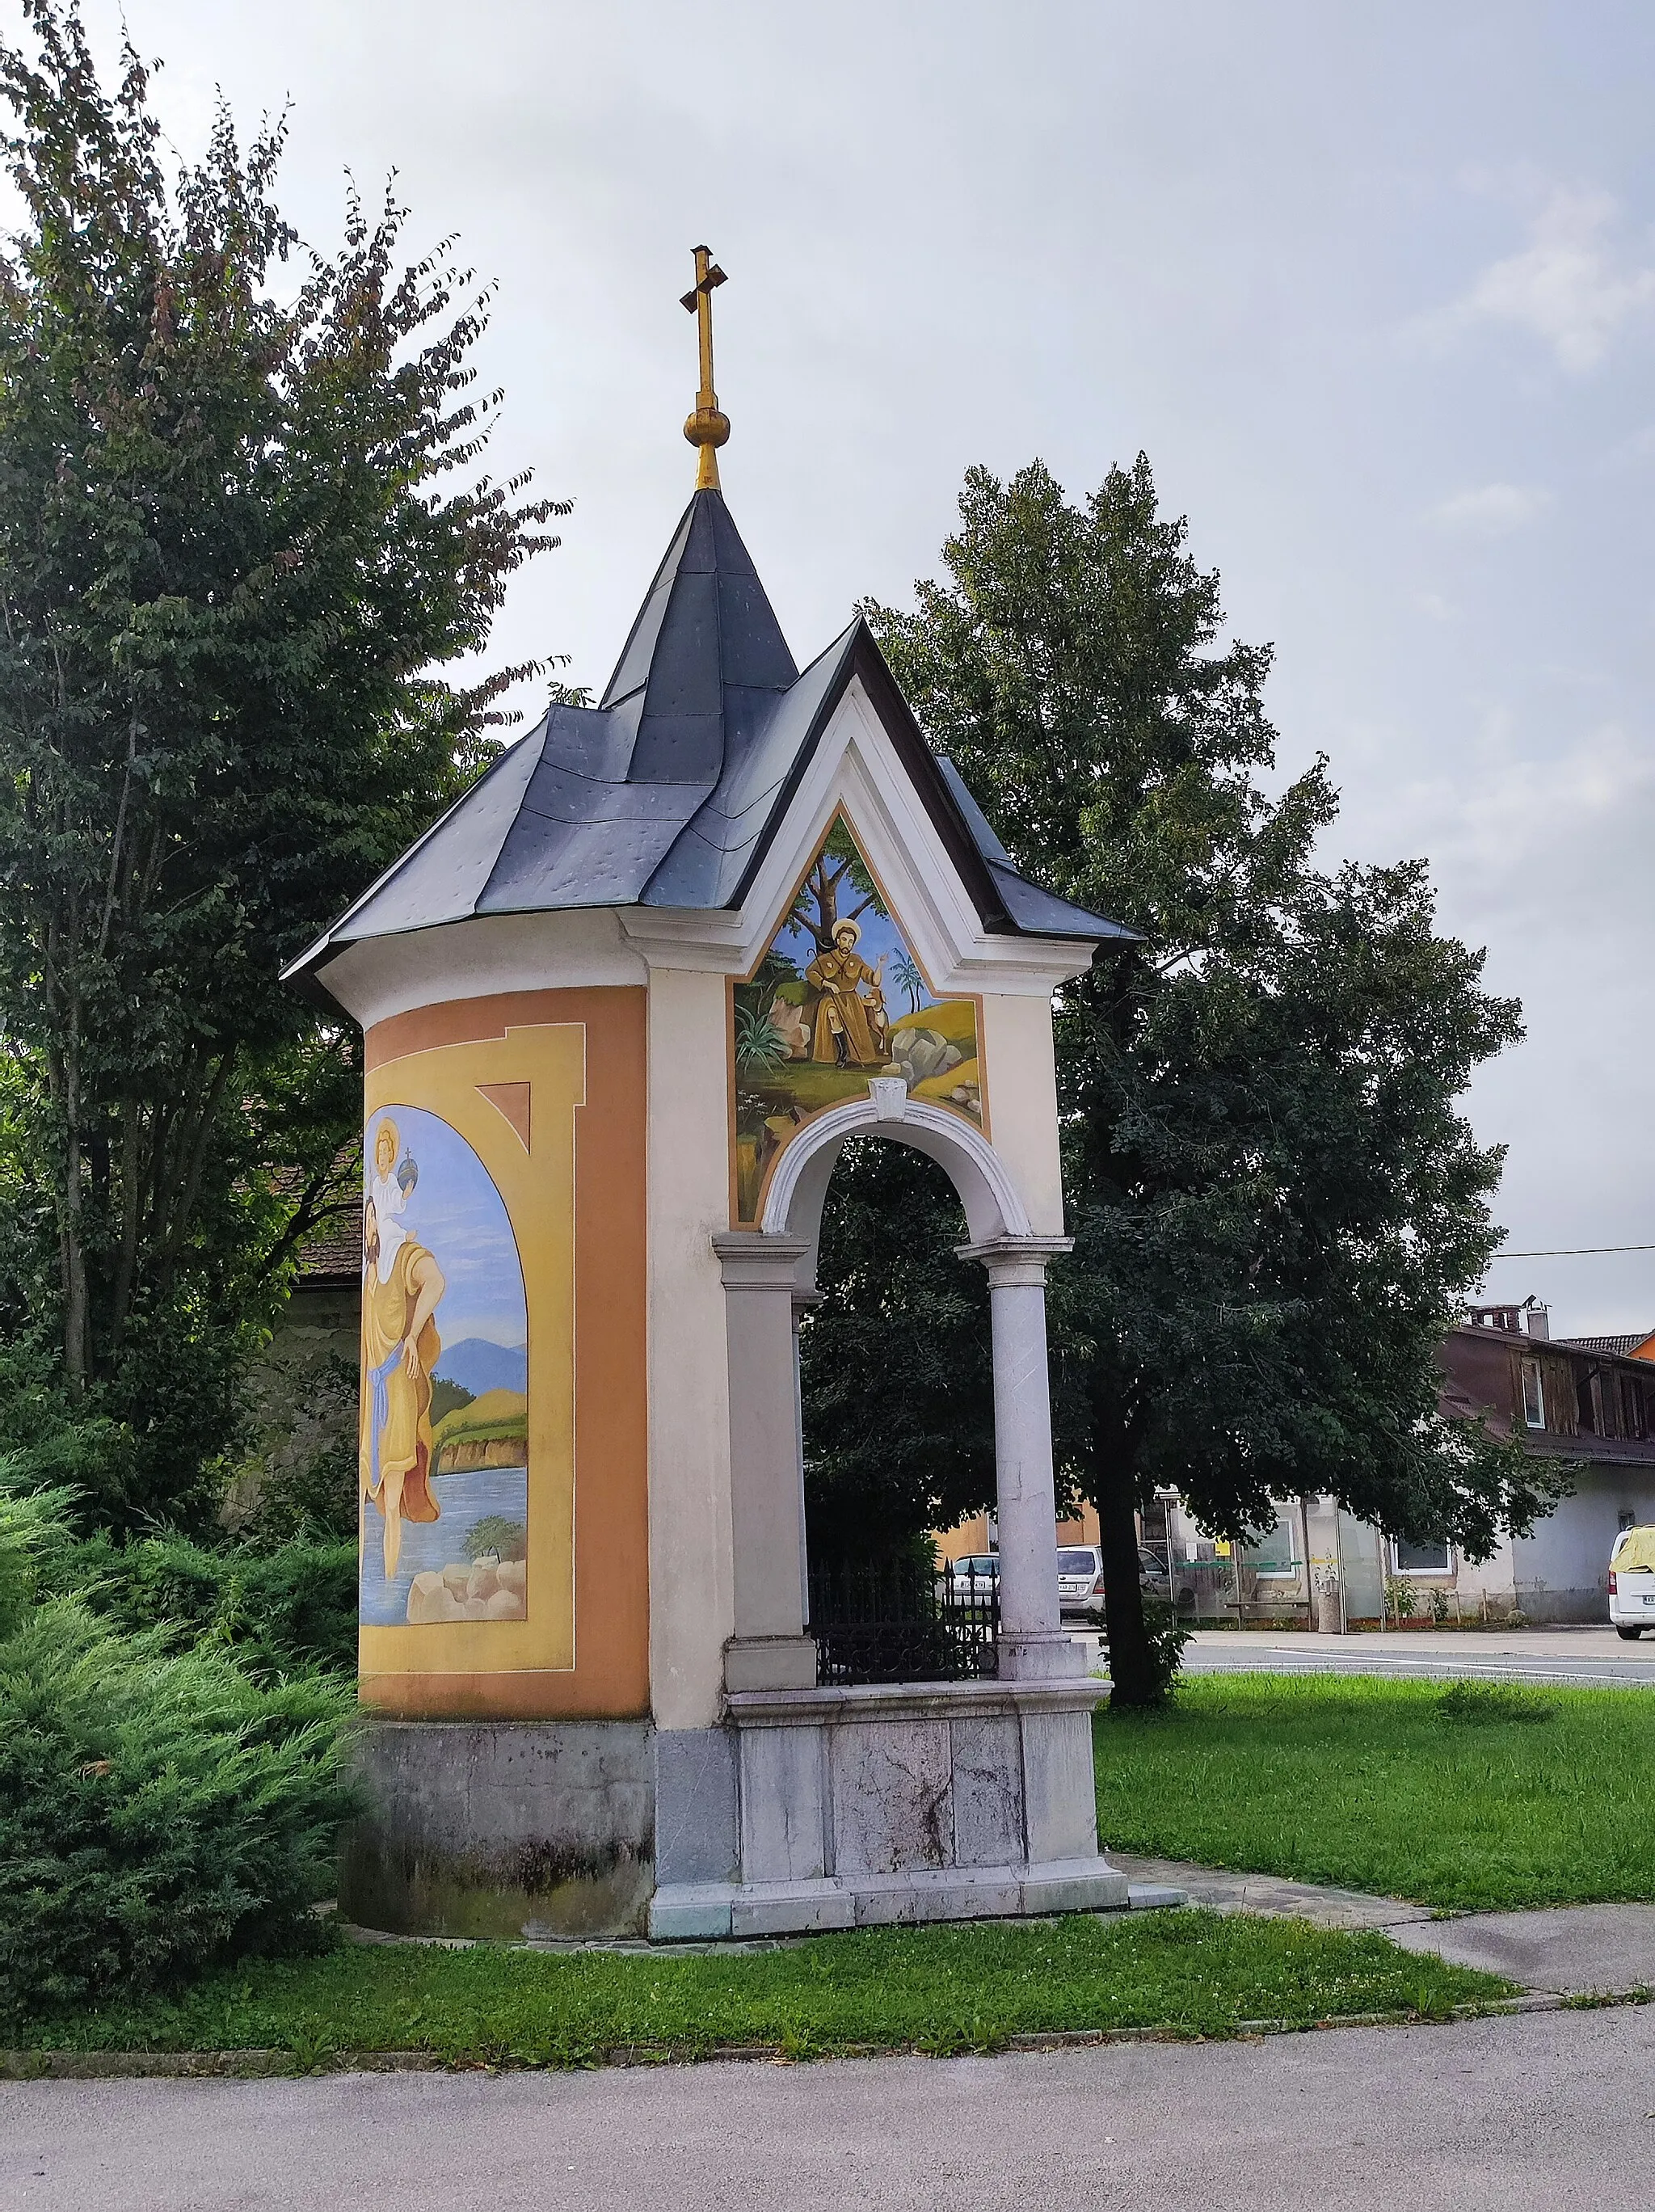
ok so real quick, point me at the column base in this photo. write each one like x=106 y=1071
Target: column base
x=1042 y=1655
x=770 y=1662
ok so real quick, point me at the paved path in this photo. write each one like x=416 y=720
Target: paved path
x=1271 y=1898
x=1572 y=1950
x=1544 y=2113
x=1579 y=1950
x=1594 y=1657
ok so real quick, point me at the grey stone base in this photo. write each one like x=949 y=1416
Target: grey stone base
x=689 y=1911
x=502 y=1828
x=808 y=1808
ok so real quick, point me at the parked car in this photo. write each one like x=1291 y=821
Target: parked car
x=1631 y=1582
x=1080 y=1579
x=970 y=1580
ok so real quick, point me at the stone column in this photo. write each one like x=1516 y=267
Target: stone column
x=769 y=1649
x=802 y=1301
x=1032 y=1642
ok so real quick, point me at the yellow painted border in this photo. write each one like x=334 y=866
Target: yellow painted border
x=537 y=1187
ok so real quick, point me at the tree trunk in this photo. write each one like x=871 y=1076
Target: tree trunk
x=1132 y=1663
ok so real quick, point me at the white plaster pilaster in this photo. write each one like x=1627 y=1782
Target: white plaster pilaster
x=768 y=1647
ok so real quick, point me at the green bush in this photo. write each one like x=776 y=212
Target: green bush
x=1167 y=1635
x=292 y=1607
x=160 y=1811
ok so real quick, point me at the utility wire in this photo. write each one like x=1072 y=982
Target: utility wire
x=1574 y=1252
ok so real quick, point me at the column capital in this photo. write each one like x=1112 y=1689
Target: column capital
x=1015 y=1261
x=753 y=1260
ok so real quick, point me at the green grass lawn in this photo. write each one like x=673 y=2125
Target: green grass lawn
x=938 y=1989
x=1465 y=1796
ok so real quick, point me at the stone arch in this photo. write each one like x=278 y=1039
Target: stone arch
x=768 y=1279
x=993 y=1207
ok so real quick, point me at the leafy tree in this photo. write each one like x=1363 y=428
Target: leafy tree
x=1277 y=1208
x=240 y=521
x=898 y=1395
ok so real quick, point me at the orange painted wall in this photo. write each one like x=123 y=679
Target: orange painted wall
x=610 y=1676
x=971 y=1536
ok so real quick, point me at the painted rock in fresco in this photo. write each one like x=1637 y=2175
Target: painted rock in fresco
x=489 y=1590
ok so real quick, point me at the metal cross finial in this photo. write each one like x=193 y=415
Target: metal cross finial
x=707 y=427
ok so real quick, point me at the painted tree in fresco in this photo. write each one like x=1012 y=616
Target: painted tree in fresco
x=838 y=889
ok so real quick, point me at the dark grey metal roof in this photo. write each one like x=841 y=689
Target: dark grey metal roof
x=667 y=791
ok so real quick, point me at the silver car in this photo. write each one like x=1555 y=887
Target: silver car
x=1080 y=1580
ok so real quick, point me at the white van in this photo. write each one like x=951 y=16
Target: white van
x=1631 y=1582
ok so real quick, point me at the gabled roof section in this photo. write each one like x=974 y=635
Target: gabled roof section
x=669 y=791
x=705 y=662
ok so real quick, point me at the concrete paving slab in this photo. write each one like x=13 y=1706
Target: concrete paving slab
x=1576 y=1950
x=1270 y=1896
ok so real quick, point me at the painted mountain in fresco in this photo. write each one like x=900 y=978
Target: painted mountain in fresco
x=477 y=1365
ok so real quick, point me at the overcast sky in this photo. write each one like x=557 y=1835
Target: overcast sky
x=1373 y=288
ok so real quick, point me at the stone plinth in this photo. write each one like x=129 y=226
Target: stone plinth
x=502 y=1828
x=944 y=1800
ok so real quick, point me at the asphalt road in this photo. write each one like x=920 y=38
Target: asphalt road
x=1540 y=2113
x=1594 y=1657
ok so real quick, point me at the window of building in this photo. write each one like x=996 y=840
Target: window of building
x=1534 y=1395
x=1632 y=1406
x=1407 y=1558
x=1276 y=1552
x=1603 y=1399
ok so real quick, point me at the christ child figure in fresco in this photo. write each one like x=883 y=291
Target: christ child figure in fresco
x=401 y=1285
x=850 y=1023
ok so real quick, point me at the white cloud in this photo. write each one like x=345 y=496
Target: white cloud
x=1540 y=849
x=1491 y=510
x=1570 y=286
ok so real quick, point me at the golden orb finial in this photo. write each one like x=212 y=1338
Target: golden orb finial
x=707 y=427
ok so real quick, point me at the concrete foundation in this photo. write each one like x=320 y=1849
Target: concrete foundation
x=808 y=1810
x=508 y=1829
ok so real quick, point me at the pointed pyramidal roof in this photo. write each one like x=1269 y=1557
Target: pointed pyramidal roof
x=668 y=793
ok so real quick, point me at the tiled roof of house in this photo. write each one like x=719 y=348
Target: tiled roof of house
x=334 y=1253
x=1621 y=1347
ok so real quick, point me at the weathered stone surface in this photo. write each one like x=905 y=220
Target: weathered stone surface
x=783 y=1827
x=988 y=1792
x=690 y=1913
x=1078 y=1884
x=696 y=1813
x=1059 y=1799
x=489 y=1828
x=891 y=1791
x=791 y=1909
x=951 y=1894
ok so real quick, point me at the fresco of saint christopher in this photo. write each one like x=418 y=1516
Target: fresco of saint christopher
x=850 y=1028
x=402 y=1284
